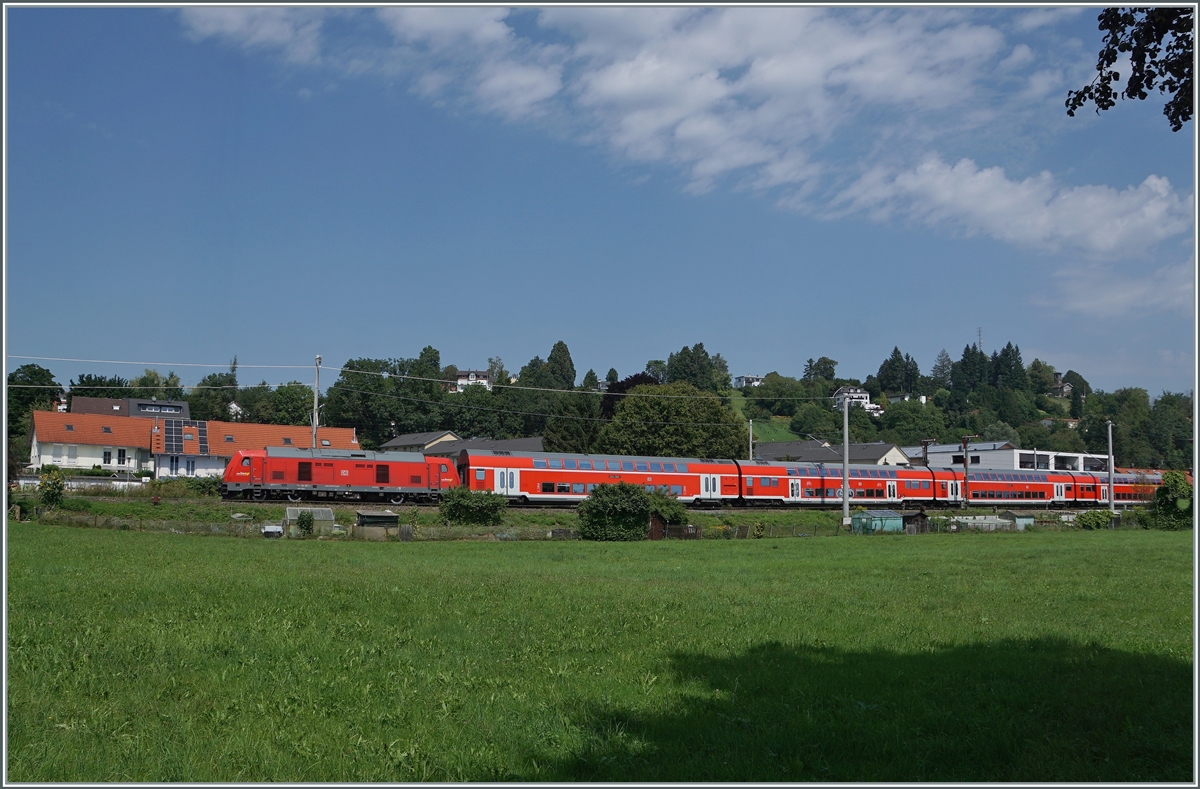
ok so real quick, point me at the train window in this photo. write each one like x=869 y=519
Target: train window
x=668 y=467
x=656 y=466
x=511 y=479
x=626 y=465
x=705 y=481
x=539 y=463
x=750 y=482
x=383 y=473
x=649 y=488
x=577 y=487
x=854 y=472
x=570 y=464
x=892 y=474
x=547 y=487
x=677 y=490
x=682 y=467
x=642 y=466
x=585 y=465
x=564 y=487
x=925 y=485
x=304 y=471
x=480 y=474
x=591 y=486
x=443 y=468
x=245 y=461
x=555 y=463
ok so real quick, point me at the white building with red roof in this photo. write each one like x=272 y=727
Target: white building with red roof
x=84 y=441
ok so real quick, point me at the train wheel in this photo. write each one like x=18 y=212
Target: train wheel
x=293 y=497
x=259 y=495
x=398 y=499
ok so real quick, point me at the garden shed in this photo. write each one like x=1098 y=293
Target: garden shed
x=322 y=519
x=1022 y=520
x=374 y=524
x=872 y=521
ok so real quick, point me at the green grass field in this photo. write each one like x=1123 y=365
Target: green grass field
x=1057 y=656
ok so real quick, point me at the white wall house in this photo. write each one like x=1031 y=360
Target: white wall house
x=85 y=441
x=747 y=380
x=473 y=378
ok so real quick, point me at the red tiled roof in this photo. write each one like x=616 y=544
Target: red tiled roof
x=251 y=436
x=123 y=431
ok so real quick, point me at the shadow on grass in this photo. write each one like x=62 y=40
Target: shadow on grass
x=1041 y=710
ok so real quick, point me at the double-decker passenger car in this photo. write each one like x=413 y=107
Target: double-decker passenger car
x=297 y=474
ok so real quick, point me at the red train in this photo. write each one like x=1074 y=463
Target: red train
x=297 y=474
x=568 y=478
x=563 y=478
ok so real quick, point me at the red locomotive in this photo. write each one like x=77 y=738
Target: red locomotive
x=296 y=474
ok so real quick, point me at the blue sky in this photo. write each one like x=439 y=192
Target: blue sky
x=184 y=185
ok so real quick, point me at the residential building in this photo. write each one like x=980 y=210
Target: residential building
x=84 y=441
x=473 y=378
x=1003 y=455
x=877 y=453
x=904 y=398
x=1061 y=388
x=131 y=406
x=199 y=448
x=857 y=397
x=418 y=442
x=748 y=380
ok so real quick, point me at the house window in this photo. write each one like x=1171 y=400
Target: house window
x=174 y=465
x=120 y=457
x=287 y=441
x=189 y=436
x=106 y=429
x=70 y=428
x=107 y=456
x=56 y=453
x=324 y=442
x=72 y=452
x=191 y=467
x=229 y=439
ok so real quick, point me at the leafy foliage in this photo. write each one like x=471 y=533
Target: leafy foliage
x=90 y=385
x=575 y=424
x=694 y=366
x=1159 y=44
x=615 y=513
x=304 y=522
x=51 y=487
x=203 y=486
x=684 y=423
x=211 y=398
x=668 y=507
x=1093 y=519
x=1173 y=502
x=476 y=507
x=822 y=369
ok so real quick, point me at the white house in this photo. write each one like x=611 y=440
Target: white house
x=473 y=378
x=748 y=380
x=85 y=441
x=858 y=397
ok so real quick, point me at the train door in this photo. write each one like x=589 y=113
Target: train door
x=710 y=487
x=256 y=469
x=435 y=470
x=891 y=491
x=506 y=482
x=955 y=493
x=1060 y=491
x=1103 y=491
x=794 y=490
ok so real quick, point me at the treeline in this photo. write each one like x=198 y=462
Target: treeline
x=994 y=397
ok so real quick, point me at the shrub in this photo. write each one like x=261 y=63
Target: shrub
x=667 y=507
x=1173 y=502
x=304 y=522
x=618 y=512
x=472 y=507
x=1093 y=519
x=759 y=530
x=51 y=486
x=203 y=486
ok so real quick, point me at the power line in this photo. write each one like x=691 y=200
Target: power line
x=165 y=364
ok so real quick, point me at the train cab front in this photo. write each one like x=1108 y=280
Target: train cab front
x=243 y=473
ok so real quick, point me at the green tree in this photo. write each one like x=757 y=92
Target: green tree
x=823 y=369
x=816 y=419
x=590 y=381
x=575 y=424
x=695 y=366
x=473 y=507
x=52 y=486
x=1173 y=502
x=1008 y=370
x=678 y=421
x=31 y=388
x=612 y=376
x=1159 y=44
x=657 y=369
x=618 y=512
x=212 y=396
x=1002 y=431
x=908 y=422
x=559 y=367
x=668 y=507
x=153 y=384
x=970 y=372
x=898 y=373
x=496 y=372
x=1169 y=430
x=1041 y=377
x=292 y=404
x=943 y=366
x=89 y=385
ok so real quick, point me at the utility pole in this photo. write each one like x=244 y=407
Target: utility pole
x=846 y=461
x=751 y=457
x=966 y=472
x=1112 y=504
x=316 y=394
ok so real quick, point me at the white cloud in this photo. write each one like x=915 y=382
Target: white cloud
x=293 y=31
x=1037 y=212
x=781 y=99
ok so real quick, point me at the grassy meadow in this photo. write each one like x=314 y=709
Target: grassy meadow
x=1045 y=656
